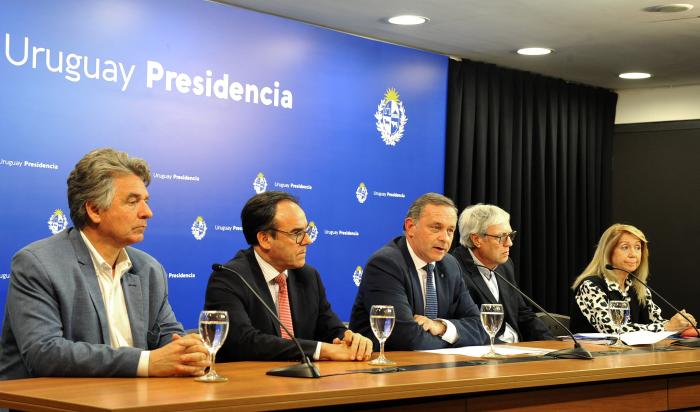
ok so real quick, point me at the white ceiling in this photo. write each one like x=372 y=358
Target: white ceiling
x=594 y=40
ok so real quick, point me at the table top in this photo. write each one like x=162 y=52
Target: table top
x=249 y=388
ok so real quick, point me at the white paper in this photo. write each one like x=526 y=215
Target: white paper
x=479 y=351
x=644 y=337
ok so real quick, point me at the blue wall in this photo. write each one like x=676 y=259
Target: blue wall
x=319 y=139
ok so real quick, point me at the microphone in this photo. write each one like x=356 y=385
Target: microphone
x=305 y=369
x=689 y=342
x=577 y=352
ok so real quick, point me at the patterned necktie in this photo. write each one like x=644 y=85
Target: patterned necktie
x=431 y=302
x=283 y=310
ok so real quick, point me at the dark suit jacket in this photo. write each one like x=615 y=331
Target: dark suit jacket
x=390 y=278
x=253 y=333
x=55 y=319
x=518 y=313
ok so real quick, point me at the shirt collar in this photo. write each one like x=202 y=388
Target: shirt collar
x=418 y=262
x=613 y=285
x=98 y=261
x=268 y=271
x=485 y=272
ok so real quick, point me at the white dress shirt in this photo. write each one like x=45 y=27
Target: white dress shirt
x=509 y=334
x=450 y=335
x=270 y=273
x=114 y=302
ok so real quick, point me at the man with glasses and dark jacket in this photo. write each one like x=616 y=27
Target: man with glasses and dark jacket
x=275 y=227
x=485 y=241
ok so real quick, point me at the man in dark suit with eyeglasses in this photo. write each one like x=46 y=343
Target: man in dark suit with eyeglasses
x=485 y=241
x=275 y=227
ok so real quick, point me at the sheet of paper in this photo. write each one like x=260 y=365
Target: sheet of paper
x=644 y=337
x=479 y=351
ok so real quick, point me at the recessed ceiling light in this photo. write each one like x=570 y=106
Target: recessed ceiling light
x=635 y=75
x=407 y=20
x=534 y=51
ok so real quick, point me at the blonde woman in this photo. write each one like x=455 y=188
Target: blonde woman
x=624 y=247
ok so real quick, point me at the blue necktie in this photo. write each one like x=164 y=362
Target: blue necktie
x=431 y=302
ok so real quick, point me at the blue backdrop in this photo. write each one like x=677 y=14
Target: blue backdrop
x=221 y=102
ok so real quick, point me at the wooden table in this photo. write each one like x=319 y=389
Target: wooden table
x=649 y=380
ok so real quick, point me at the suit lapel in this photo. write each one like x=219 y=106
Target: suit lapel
x=295 y=292
x=413 y=282
x=88 y=268
x=478 y=280
x=475 y=276
x=258 y=280
x=133 y=295
x=442 y=288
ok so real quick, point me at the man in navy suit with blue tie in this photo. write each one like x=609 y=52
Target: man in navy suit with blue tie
x=416 y=275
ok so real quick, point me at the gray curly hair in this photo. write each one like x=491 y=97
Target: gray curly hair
x=92 y=179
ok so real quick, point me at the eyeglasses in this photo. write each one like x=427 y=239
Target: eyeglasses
x=503 y=236
x=297 y=235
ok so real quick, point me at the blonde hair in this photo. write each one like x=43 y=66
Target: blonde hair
x=604 y=251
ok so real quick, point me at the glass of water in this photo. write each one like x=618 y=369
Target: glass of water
x=213 y=327
x=491 y=319
x=620 y=314
x=382 y=319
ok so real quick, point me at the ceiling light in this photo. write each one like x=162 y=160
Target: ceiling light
x=669 y=8
x=635 y=75
x=534 y=51
x=407 y=20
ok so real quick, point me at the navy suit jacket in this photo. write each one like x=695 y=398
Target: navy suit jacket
x=518 y=313
x=253 y=333
x=390 y=278
x=55 y=321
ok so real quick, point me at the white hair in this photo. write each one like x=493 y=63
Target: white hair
x=476 y=219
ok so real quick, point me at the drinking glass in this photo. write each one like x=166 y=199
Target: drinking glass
x=620 y=314
x=213 y=327
x=382 y=319
x=492 y=318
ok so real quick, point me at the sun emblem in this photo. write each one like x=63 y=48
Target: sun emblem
x=361 y=192
x=58 y=221
x=357 y=276
x=312 y=231
x=199 y=228
x=260 y=183
x=391 y=117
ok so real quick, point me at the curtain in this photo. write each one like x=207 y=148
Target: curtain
x=541 y=149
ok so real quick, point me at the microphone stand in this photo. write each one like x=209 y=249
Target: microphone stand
x=687 y=342
x=305 y=369
x=577 y=352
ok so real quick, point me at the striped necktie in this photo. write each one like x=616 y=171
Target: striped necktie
x=283 y=309
x=431 y=302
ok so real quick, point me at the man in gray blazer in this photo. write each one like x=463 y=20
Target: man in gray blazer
x=85 y=303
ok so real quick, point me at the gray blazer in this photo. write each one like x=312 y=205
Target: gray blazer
x=55 y=321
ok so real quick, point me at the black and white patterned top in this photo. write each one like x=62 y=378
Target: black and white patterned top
x=593 y=303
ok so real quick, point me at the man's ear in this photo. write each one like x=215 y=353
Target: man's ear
x=475 y=240
x=264 y=240
x=93 y=212
x=409 y=226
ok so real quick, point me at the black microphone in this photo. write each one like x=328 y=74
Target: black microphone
x=689 y=342
x=577 y=352
x=305 y=369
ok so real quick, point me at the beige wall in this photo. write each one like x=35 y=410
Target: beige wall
x=657 y=105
